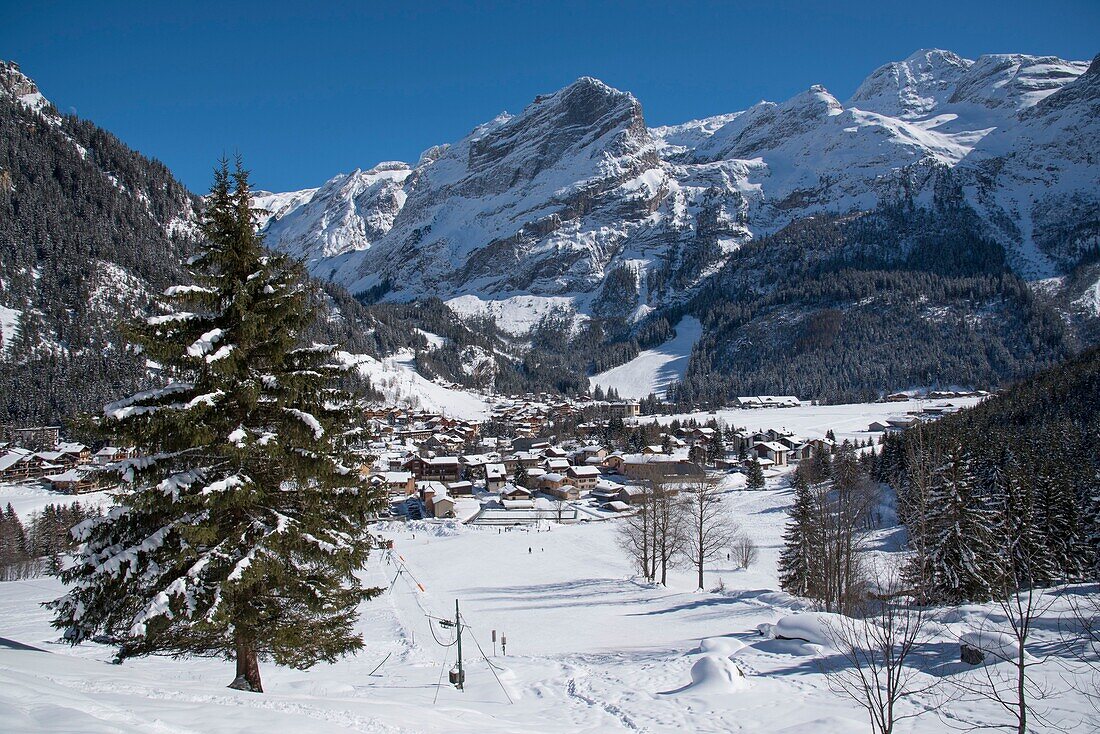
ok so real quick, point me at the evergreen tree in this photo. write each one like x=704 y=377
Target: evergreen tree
x=964 y=565
x=243 y=528
x=1024 y=547
x=715 y=448
x=799 y=561
x=13 y=543
x=755 y=475
x=520 y=476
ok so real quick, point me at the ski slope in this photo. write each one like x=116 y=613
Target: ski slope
x=397 y=379
x=653 y=369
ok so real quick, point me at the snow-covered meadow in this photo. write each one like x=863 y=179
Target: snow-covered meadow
x=589 y=648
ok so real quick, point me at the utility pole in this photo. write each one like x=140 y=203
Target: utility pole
x=456 y=677
x=458 y=632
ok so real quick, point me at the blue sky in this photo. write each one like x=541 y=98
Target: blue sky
x=306 y=92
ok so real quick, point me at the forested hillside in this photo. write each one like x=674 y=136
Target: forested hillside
x=847 y=308
x=1011 y=486
x=87 y=229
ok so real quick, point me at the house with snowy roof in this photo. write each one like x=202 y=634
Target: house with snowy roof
x=771 y=451
x=73 y=481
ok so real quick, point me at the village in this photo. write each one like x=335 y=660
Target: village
x=534 y=459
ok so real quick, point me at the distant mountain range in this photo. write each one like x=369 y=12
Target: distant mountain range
x=575 y=196
x=940 y=227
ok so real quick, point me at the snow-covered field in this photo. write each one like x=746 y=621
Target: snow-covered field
x=849 y=420
x=590 y=649
x=653 y=369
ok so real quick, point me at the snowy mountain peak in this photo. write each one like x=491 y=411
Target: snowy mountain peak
x=574 y=200
x=18 y=86
x=911 y=87
x=1014 y=81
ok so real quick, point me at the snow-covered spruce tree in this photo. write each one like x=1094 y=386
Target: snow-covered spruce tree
x=963 y=560
x=242 y=530
x=800 y=560
x=755 y=475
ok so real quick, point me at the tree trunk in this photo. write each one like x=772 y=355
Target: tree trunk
x=700 y=569
x=248 y=667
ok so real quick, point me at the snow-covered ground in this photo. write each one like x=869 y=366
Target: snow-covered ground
x=590 y=649
x=32 y=496
x=396 y=378
x=9 y=324
x=849 y=420
x=653 y=369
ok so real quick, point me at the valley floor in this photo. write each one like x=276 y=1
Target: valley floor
x=590 y=648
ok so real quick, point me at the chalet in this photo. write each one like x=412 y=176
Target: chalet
x=473 y=465
x=896 y=425
x=802 y=451
x=19 y=464
x=631 y=494
x=495 y=477
x=772 y=451
x=73 y=481
x=583 y=477
x=650 y=450
x=460 y=489
x=512 y=492
x=442 y=506
x=442 y=469
x=877 y=427
x=563 y=492
x=415 y=435
x=110 y=454
x=79 y=453
x=551 y=480
x=556 y=465
x=530 y=444
x=593 y=451
x=534 y=475
x=526 y=459
x=57 y=458
x=436 y=469
x=661 y=469
x=396 y=482
x=767 y=401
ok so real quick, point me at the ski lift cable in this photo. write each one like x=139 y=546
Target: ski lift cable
x=440 y=681
x=403 y=571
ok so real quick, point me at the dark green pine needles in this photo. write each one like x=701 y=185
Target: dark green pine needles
x=243 y=527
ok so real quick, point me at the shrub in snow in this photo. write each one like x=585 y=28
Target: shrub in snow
x=995 y=645
x=817 y=628
x=715 y=674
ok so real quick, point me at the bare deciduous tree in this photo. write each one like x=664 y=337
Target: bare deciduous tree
x=653 y=535
x=710 y=529
x=842 y=511
x=1083 y=644
x=669 y=524
x=745 y=552
x=876 y=654
x=1006 y=677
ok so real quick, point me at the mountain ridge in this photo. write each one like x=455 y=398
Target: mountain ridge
x=671 y=202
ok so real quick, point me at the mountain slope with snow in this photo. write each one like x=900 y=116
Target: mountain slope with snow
x=576 y=198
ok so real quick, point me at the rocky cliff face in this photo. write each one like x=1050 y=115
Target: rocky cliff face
x=576 y=199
